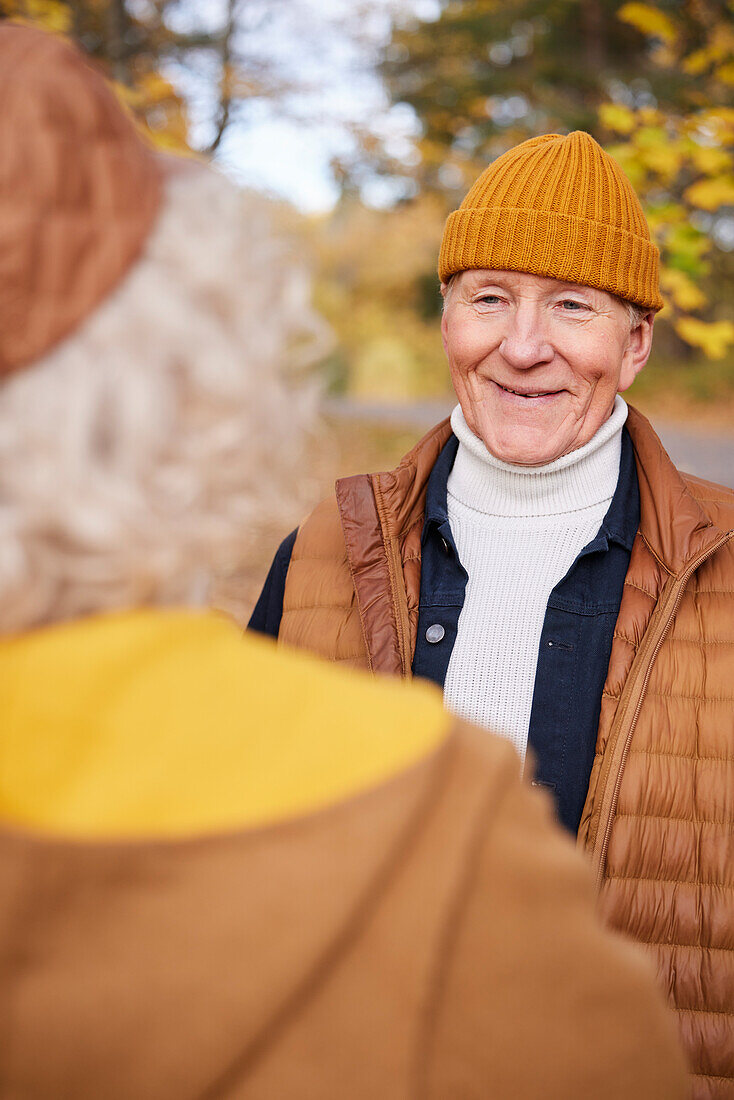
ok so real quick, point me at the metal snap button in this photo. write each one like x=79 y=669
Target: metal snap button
x=435 y=633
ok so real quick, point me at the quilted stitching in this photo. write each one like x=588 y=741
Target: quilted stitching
x=670 y=871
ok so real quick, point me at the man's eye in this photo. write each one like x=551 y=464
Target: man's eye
x=489 y=299
x=570 y=304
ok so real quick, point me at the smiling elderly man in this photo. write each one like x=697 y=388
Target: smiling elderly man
x=542 y=560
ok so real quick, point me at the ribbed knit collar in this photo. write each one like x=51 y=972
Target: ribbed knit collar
x=580 y=479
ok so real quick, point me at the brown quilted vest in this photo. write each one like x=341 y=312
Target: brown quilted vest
x=659 y=817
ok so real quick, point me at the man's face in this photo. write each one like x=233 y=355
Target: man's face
x=535 y=362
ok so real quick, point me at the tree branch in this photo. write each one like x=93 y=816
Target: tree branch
x=225 y=102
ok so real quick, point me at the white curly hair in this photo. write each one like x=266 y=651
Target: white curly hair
x=142 y=456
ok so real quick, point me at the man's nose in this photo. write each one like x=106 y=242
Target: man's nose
x=525 y=343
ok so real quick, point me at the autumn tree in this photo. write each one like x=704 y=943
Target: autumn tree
x=486 y=75
x=378 y=289
x=679 y=154
x=191 y=72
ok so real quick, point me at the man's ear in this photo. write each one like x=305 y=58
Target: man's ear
x=445 y=287
x=444 y=331
x=637 y=351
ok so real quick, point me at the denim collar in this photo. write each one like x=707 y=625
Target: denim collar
x=437 y=509
x=623 y=515
x=619 y=525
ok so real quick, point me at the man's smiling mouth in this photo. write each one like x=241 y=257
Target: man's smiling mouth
x=523 y=393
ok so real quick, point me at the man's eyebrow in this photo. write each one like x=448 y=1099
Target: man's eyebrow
x=573 y=288
x=493 y=277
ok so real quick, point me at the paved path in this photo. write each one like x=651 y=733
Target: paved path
x=706 y=454
x=697 y=451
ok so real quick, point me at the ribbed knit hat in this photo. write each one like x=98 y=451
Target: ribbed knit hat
x=561 y=207
x=79 y=192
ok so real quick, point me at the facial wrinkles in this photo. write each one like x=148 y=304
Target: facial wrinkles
x=527 y=340
x=580 y=390
x=520 y=336
x=531 y=305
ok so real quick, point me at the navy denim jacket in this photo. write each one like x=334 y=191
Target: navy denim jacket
x=575 y=642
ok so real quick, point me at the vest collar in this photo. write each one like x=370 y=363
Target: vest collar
x=378 y=510
x=674 y=525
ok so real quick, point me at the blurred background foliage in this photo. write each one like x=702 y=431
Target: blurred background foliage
x=132 y=44
x=465 y=80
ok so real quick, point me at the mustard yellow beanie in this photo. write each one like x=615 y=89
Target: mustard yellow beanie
x=556 y=206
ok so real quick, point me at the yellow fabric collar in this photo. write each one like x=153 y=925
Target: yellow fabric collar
x=173 y=723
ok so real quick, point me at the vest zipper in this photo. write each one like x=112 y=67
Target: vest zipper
x=606 y=819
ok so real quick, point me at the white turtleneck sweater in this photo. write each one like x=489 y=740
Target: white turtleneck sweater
x=518 y=530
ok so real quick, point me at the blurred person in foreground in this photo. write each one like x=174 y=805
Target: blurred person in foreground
x=226 y=871
x=540 y=558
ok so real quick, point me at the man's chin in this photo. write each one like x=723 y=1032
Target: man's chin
x=520 y=445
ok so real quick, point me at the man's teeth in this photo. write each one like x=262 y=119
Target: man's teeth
x=517 y=393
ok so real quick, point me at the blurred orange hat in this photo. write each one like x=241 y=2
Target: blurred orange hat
x=79 y=191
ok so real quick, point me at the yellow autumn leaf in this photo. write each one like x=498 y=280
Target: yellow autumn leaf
x=664 y=160
x=50 y=15
x=669 y=213
x=683 y=291
x=719 y=114
x=726 y=72
x=686 y=242
x=651 y=116
x=617 y=117
x=170 y=142
x=155 y=88
x=697 y=62
x=722 y=41
x=650 y=136
x=131 y=97
x=627 y=158
x=649 y=20
x=713 y=337
x=657 y=151
x=711 y=194
x=709 y=159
